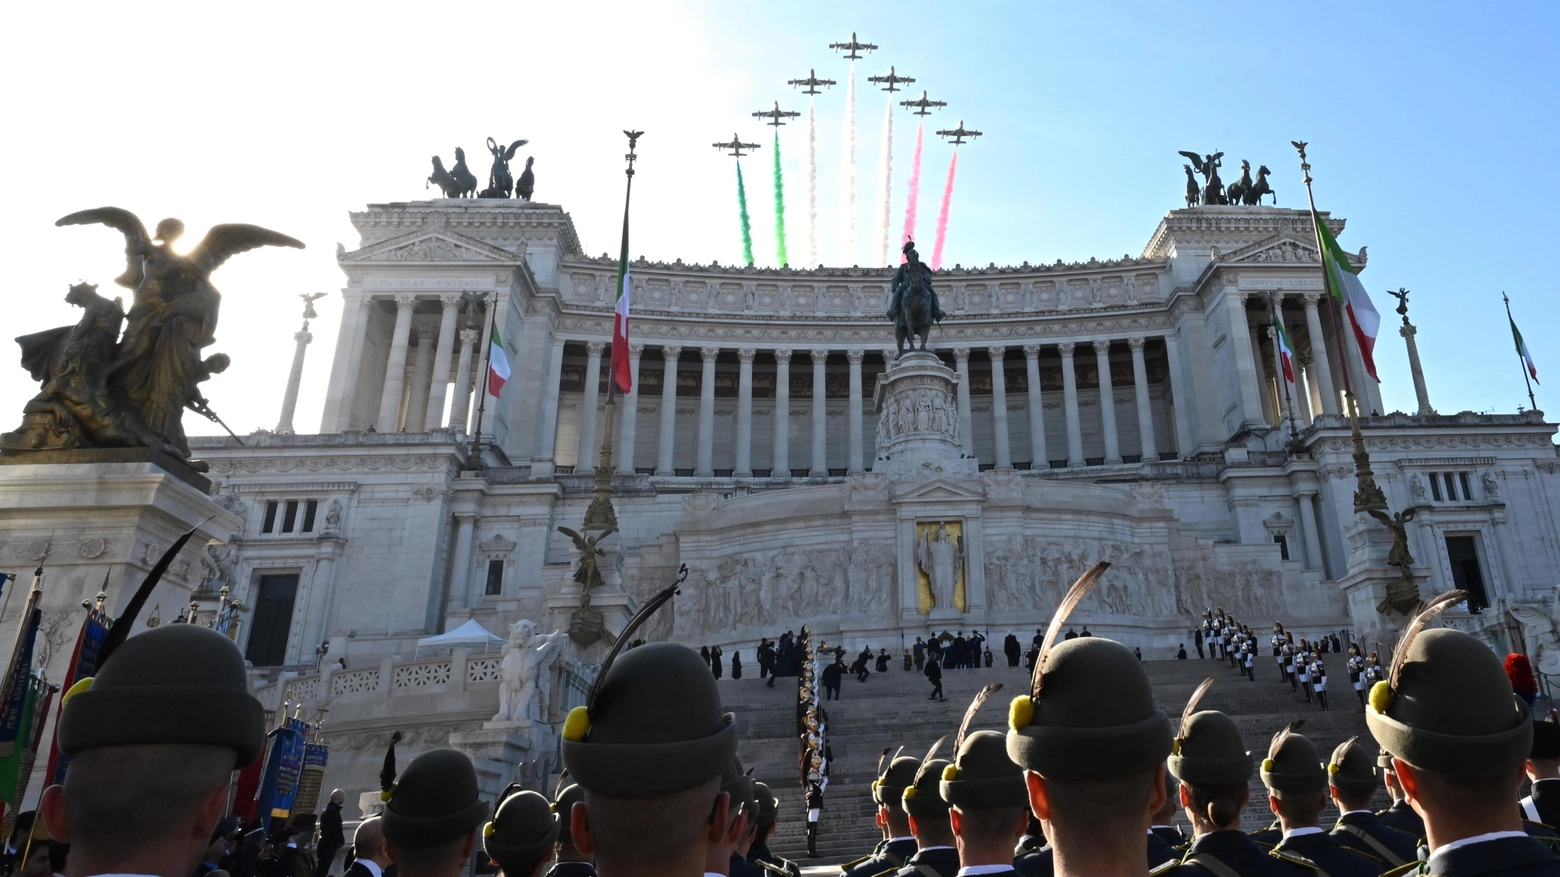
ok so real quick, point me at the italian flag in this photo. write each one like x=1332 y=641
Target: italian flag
x=622 y=375
x=1522 y=350
x=1346 y=287
x=1286 y=353
x=498 y=364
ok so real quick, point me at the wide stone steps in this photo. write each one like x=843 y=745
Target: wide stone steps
x=892 y=710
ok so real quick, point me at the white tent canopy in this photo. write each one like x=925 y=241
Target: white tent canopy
x=468 y=635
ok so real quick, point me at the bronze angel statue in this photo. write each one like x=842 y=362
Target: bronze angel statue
x=154 y=371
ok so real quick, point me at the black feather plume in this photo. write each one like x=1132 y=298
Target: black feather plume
x=387 y=773
x=121 y=626
x=634 y=624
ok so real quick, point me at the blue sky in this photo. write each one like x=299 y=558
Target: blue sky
x=1432 y=130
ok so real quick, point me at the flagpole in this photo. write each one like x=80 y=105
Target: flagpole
x=1532 y=404
x=1289 y=400
x=1332 y=316
x=600 y=510
x=475 y=461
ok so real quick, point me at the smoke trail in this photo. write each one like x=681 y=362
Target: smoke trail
x=915 y=188
x=942 y=215
x=888 y=181
x=812 y=186
x=747 y=227
x=850 y=167
x=779 y=207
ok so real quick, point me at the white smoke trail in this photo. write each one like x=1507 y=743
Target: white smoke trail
x=812 y=186
x=888 y=181
x=850 y=168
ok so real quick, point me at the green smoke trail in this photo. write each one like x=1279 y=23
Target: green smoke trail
x=747 y=227
x=779 y=206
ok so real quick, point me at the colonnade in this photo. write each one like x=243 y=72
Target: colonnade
x=430 y=370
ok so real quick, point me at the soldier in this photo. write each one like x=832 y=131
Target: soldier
x=1399 y=816
x=1352 y=780
x=987 y=800
x=767 y=809
x=888 y=792
x=432 y=813
x=1543 y=769
x=1165 y=841
x=1296 y=782
x=154 y=739
x=729 y=857
x=1458 y=737
x=936 y=855
x=1319 y=679
x=571 y=862
x=649 y=748
x=521 y=837
x=1356 y=668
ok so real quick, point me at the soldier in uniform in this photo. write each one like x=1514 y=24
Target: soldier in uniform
x=898 y=844
x=154 y=739
x=432 y=813
x=1543 y=770
x=767 y=808
x=935 y=855
x=1356 y=667
x=571 y=862
x=1352 y=780
x=1458 y=737
x=649 y=748
x=988 y=804
x=1296 y=781
x=1399 y=816
x=522 y=835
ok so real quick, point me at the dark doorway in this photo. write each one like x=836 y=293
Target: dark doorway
x=1463 y=554
x=272 y=618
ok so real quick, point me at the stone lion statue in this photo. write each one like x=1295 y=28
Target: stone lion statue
x=522 y=688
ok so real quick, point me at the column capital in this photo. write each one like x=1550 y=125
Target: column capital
x=635 y=351
x=1031 y=351
x=783 y=357
x=855 y=356
x=405 y=301
x=450 y=300
x=818 y=356
x=745 y=355
x=468 y=336
x=997 y=354
x=1102 y=348
x=1137 y=344
x=670 y=352
x=1066 y=348
x=303 y=336
x=709 y=353
x=1311 y=299
x=1236 y=295
x=1407 y=330
x=961 y=354
x=595 y=348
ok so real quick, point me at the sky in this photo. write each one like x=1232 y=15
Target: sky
x=1432 y=130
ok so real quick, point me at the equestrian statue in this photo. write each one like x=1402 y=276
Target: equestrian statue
x=912 y=305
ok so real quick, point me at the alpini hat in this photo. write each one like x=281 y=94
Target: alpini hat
x=983 y=777
x=1446 y=705
x=1292 y=763
x=894 y=778
x=1064 y=728
x=1352 y=768
x=1209 y=750
x=435 y=800
x=522 y=832
x=1546 y=740
x=738 y=783
x=563 y=805
x=766 y=804
x=923 y=798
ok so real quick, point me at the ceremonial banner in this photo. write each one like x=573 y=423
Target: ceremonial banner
x=315 y=755
x=279 y=782
x=13 y=720
x=17 y=764
x=83 y=663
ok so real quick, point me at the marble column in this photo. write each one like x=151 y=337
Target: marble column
x=706 y=448
x=585 y=460
x=1183 y=403
x=460 y=406
x=1312 y=536
x=1037 y=452
x=1070 y=405
x=820 y=413
x=999 y=414
x=781 y=466
x=1305 y=389
x=1107 y=403
x=547 y=438
x=853 y=420
x=1245 y=362
x=347 y=364
x=1145 y=409
x=284 y=424
x=668 y=411
x=422 y=374
x=460 y=561
x=395 y=368
x=1323 y=375
x=439 y=383
x=1421 y=394
x=961 y=361
x=629 y=430
x=1268 y=388
x=744 y=464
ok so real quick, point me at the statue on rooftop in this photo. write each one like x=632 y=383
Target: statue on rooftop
x=1208 y=166
x=912 y=304
x=500 y=182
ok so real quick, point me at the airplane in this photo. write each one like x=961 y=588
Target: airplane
x=736 y=146
x=853 y=47
x=923 y=106
x=775 y=116
x=892 y=79
x=811 y=82
x=958 y=134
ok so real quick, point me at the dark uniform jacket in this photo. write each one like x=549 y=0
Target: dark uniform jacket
x=1270 y=836
x=1366 y=833
x=1041 y=862
x=1403 y=818
x=889 y=856
x=1505 y=857
x=934 y=862
x=1333 y=858
x=760 y=855
x=1236 y=850
x=1160 y=851
x=741 y=867
x=1546 y=803
x=572 y=869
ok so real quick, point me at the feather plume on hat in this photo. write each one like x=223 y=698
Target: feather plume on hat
x=930 y=754
x=387 y=773
x=1074 y=596
x=969 y=715
x=1188 y=711
x=1382 y=692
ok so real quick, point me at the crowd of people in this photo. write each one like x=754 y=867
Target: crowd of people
x=1302 y=663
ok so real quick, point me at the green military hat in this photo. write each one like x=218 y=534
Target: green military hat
x=435 y=800
x=982 y=776
x=522 y=832
x=766 y=804
x=738 y=783
x=1063 y=728
x=1546 y=741
x=1209 y=750
x=181 y=683
x=893 y=778
x=563 y=804
x=1352 y=768
x=1292 y=763
x=1446 y=705
x=923 y=798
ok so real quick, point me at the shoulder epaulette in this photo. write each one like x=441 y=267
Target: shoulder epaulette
x=1403 y=869
x=886 y=873
x=1294 y=859
x=1163 y=867
x=1364 y=855
x=772 y=869
x=845 y=868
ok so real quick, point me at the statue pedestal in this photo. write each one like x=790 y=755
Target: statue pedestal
x=1369 y=578
x=505 y=751
x=918 y=421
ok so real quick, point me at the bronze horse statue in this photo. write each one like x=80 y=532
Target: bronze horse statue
x=913 y=306
x=1193 y=191
x=1238 y=189
x=1253 y=195
x=464 y=178
x=443 y=180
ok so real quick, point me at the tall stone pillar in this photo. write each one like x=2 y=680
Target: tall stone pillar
x=1107 y=403
x=781 y=465
x=395 y=368
x=1241 y=348
x=1184 y=438
x=1070 y=404
x=706 y=450
x=1421 y=394
x=1312 y=536
x=1038 y=457
x=284 y=424
x=1145 y=410
x=422 y=373
x=668 y=412
x=820 y=413
x=439 y=382
x=629 y=430
x=999 y=419
x=585 y=460
x=1286 y=390
x=1322 y=374
x=1302 y=390
x=853 y=418
x=460 y=406
x=347 y=365
x=460 y=561
x=961 y=361
x=547 y=440
x=744 y=463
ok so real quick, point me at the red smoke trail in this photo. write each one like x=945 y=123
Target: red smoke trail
x=915 y=189
x=942 y=216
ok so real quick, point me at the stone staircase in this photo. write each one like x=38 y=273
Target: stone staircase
x=891 y=709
